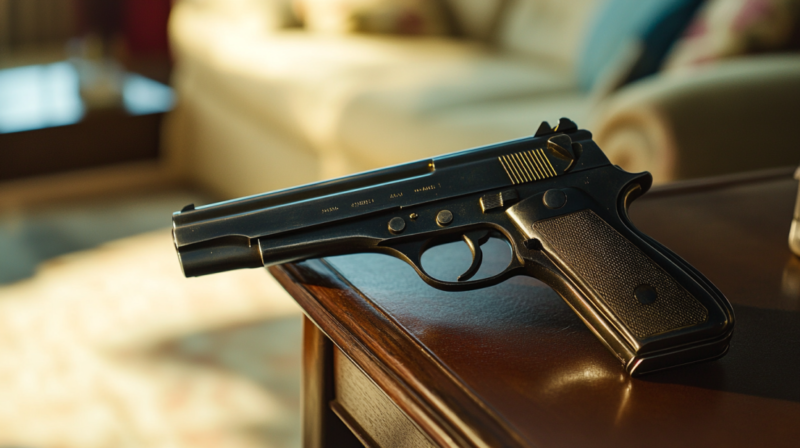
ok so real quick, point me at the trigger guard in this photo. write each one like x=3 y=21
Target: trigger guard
x=411 y=253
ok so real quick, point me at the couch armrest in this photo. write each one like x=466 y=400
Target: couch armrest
x=729 y=117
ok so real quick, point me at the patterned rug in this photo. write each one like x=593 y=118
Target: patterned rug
x=113 y=347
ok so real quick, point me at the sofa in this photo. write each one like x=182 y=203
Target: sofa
x=265 y=104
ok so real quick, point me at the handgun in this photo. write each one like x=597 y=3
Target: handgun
x=554 y=198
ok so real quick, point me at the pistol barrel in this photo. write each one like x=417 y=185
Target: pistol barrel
x=220 y=255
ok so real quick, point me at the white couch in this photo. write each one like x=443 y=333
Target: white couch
x=263 y=107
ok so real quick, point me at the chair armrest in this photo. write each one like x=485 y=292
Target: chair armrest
x=729 y=117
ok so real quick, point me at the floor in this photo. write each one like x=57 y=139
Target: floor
x=106 y=344
x=29 y=237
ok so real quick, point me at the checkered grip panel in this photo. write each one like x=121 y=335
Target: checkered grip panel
x=613 y=268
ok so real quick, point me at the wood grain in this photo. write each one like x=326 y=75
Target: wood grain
x=321 y=427
x=425 y=391
x=512 y=365
x=101 y=138
x=374 y=413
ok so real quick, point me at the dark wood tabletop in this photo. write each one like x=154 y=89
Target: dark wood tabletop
x=512 y=365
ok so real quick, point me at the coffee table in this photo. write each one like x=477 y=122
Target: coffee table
x=48 y=127
x=389 y=361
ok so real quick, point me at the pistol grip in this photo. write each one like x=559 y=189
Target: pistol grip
x=625 y=284
x=646 y=304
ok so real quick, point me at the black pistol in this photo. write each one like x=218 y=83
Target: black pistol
x=554 y=198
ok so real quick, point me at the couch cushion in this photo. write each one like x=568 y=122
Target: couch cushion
x=303 y=82
x=374 y=133
x=550 y=30
x=259 y=15
x=477 y=18
x=407 y=17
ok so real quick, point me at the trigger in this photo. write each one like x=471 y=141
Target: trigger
x=474 y=241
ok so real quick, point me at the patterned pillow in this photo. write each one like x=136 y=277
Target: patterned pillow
x=628 y=39
x=728 y=28
x=409 y=17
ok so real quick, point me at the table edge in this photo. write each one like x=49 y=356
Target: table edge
x=450 y=413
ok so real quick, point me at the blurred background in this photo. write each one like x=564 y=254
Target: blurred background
x=115 y=113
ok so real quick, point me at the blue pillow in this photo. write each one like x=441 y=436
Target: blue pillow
x=656 y=24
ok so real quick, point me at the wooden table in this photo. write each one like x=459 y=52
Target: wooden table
x=399 y=364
